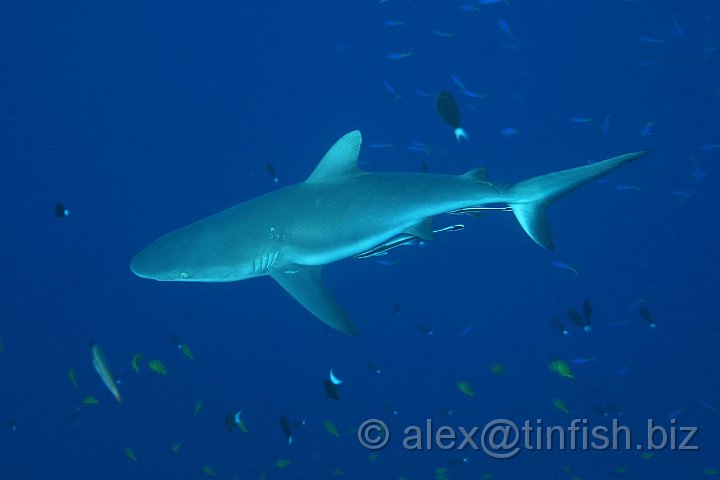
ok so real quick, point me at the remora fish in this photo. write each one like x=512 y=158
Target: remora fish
x=101 y=367
x=341 y=211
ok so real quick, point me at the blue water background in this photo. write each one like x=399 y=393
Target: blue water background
x=141 y=117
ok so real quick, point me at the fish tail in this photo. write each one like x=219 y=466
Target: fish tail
x=530 y=198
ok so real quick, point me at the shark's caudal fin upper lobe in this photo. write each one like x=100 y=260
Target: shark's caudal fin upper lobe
x=529 y=199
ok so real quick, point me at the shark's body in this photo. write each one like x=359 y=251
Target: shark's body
x=339 y=212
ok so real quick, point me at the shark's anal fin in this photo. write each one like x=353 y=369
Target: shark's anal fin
x=304 y=284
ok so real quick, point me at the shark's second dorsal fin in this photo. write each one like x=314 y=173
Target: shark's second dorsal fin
x=340 y=160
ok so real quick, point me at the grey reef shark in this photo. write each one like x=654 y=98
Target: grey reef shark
x=342 y=211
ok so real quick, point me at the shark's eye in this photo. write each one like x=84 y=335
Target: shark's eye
x=184 y=275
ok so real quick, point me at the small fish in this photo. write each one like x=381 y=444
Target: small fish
x=647 y=63
x=647 y=316
x=467 y=7
x=606 y=124
x=135 y=362
x=447 y=109
x=466 y=329
x=473 y=94
x=613 y=409
x=239 y=423
x=560 y=405
x=286 y=428
x=185 y=349
x=209 y=471
x=442 y=33
x=624 y=187
x=175 y=447
x=380 y=145
x=647 y=129
x=130 y=454
x=393 y=23
x=560 y=367
x=425 y=329
x=373 y=367
x=271 y=170
x=582 y=360
x=71 y=376
x=61 y=211
x=89 y=400
x=679 y=31
x=420 y=147
x=335 y=380
x=710 y=471
x=710 y=147
x=465 y=388
x=624 y=369
x=599 y=411
x=157 y=366
x=398 y=55
x=102 y=369
x=578 y=319
x=566 y=266
x=331 y=390
x=651 y=39
x=587 y=311
x=509 y=132
x=331 y=428
x=581 y=119
x=390 y=89
x=497 y=369
x=282 y=463
x=198 y=407
x=696 y=172
x=505 y=27
x=559 y=326
x=706 y=404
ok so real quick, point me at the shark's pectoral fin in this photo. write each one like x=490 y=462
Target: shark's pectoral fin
x=304 y=284
x=423 y=229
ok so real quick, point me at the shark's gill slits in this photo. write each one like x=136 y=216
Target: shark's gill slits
x=264 y=262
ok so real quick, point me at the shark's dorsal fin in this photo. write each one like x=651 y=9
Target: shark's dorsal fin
x=304 y=284
x=479 y=173
x=340 y=160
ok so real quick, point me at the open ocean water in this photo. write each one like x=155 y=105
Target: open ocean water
x=142 y=117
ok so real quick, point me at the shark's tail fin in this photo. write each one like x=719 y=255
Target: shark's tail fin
x=529 y=199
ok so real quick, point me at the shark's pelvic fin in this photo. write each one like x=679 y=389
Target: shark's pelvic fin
x=529 y=198
x=304 y=284
x=340 y=160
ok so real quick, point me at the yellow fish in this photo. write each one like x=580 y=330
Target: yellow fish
x=372 y=458
x=710 y=471
x=497 y=369
x=135 y=362
x=465 y=388
x=90 y=400
x=185 y=349
x=209 y=471
x=175 y=447
x=337 y=471
x=560 y=405
x=130 y=454
x=198 y=406
x=101 y=367
x=282 y=463
x=71 y=376
x=157 y=367
x=560 y=367
x=331 y=428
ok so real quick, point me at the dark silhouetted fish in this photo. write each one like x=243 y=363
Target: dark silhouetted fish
x=558 y=324
x=645 y=313
x=331 y=390
x=578 y=319
x=286 y=428
x=448 y=110
x=61 y=211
